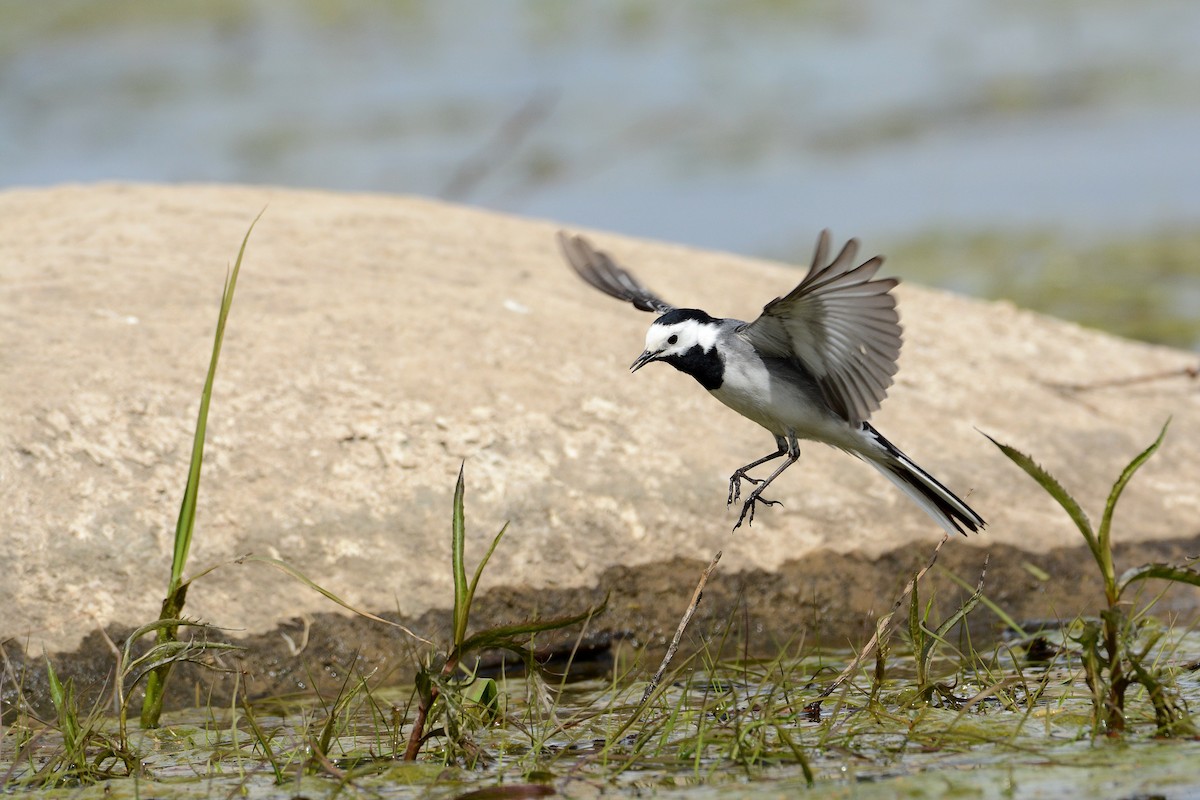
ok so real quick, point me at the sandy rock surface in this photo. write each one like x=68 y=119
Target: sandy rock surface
x=376 y=342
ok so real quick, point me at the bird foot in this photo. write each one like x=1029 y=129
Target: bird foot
x=735 y=486
x=747 y=514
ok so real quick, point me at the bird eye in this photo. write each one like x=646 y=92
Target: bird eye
x=672 y=339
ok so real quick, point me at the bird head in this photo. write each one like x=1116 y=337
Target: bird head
x=675 y=334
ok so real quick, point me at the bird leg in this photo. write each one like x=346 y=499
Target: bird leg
x=742 y=473
x=792 y=450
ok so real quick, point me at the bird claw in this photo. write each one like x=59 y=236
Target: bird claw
x=747 y=514
x=741 y=474
x=735 y=486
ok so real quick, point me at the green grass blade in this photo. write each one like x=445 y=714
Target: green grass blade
x=782 y=732
x=187 y=509
x=958 y=616
x=1166 y=572
x=1055 y=490
x=504 y=635
x=991 y=605
x=172 y=605
x=462 y=604
x=479 y=569
x=62 y=698
x=481 y=702
x=264 y=744
x=288 y=569
x=1115 y=494
x=916 y=633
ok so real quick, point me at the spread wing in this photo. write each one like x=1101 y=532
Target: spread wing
x=842 y=324
x=599 y=270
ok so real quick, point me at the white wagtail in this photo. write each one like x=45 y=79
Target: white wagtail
x=814 y=365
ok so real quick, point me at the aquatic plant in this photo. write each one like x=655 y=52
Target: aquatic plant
x=925 y=640
x=1116 y=650
x=467 y=700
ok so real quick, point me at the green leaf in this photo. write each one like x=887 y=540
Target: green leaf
x=916 y=631
x=62 y=698
x=462 y=602
x=1093 y=665
x=424 y=687
x=1055 y=490
x=966 y=608
x=992 y=606
x=479 y=569
x=504 y=635
x=1119 y=486
x=1166 y=572
x=481 y=700
x=184 y=526
x=264 y=742
x=187 y=510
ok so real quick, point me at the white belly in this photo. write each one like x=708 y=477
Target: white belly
x=783 y=407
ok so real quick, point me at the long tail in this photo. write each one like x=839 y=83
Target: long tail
x=937 y=501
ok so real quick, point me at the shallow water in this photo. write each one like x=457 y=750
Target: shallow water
x=1008 y=727
x=744 y=127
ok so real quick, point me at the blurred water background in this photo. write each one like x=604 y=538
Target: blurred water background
x=1042 y=150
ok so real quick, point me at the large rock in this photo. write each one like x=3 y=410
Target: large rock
x=377 y=342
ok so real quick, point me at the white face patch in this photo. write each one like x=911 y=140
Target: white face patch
x=669 y=340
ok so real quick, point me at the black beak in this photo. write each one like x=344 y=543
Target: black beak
x=642 y=360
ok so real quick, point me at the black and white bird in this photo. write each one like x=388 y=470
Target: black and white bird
x=814 y=365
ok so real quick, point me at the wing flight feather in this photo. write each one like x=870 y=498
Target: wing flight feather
x=841 y=324
x=599 y=270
